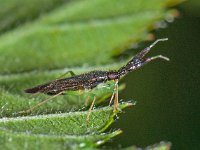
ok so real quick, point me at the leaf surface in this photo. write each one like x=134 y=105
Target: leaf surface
x=66 y=130
x=75 y=33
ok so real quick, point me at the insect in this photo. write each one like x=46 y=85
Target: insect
x=91 y=79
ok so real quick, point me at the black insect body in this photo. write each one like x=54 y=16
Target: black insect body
x=78 y=82
x=91 y=79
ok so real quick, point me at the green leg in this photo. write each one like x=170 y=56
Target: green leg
x=50 y=98
x=39 y=104
x=116 y=103
x=114 y=94
x=68 y=72
x=90 y=110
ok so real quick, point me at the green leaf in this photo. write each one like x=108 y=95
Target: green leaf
x=57 y=41
x=14 y=12
x=61 y=130
x=19 y=141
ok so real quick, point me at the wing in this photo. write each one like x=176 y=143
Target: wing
x=55 y=87
x=37 y=89
x=78 y=82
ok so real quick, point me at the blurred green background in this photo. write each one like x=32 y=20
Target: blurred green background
x=167 y=94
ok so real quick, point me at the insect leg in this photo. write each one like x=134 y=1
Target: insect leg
x=39 y=104
x=111 y=99
x=87 y=100
x=90 y=109
x=113 y=94
x=68 y=72
x=116 y=103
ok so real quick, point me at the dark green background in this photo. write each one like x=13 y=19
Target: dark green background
x=167 y=93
